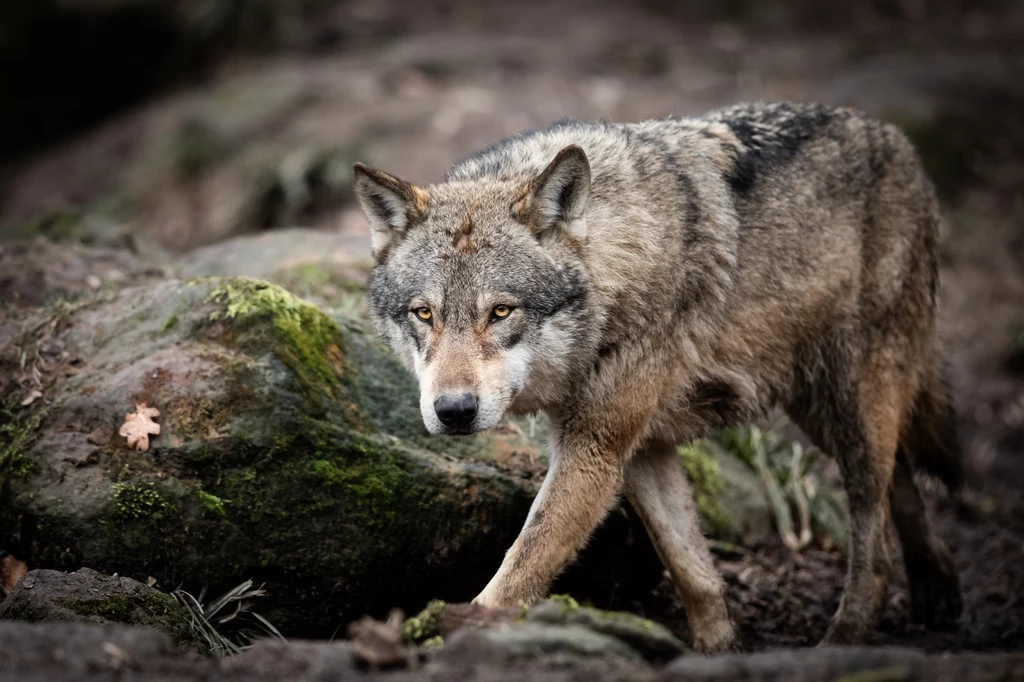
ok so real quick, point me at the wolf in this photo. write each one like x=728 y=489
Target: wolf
x=645 y=283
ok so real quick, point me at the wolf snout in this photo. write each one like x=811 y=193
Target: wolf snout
x=456 y=410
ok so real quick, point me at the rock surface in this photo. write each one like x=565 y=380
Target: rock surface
x=867 y=664
x=556 y=624
x=86 y=596
x=92 y=653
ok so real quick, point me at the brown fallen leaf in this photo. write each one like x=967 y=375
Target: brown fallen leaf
x=139 y=426
x=11 y=571
x=379 y=646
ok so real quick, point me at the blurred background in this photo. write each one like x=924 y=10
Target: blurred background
x=189 y=120
x=147 y=138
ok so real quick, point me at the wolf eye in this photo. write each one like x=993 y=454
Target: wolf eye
x=501 y=311
x=423 y=312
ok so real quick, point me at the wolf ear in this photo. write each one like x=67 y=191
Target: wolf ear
x=560 y=193
x=391 y=205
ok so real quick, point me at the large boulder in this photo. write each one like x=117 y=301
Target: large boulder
x=291 y=452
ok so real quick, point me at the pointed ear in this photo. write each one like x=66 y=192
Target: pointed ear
x=561 y=192
x=391 y=205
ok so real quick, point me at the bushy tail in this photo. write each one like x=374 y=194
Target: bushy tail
x=931 y=439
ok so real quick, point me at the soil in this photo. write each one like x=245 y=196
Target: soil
x=428 y=96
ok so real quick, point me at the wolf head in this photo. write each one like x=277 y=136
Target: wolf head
x=479 y=286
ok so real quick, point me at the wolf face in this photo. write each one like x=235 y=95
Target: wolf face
x=479 y=287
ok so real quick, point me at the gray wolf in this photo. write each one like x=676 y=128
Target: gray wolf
x=644 y=283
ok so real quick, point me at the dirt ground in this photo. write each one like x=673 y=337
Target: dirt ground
x=415 y=101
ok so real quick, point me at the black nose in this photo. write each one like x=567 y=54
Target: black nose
x=456 y=410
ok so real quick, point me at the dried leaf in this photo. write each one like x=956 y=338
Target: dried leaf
x=139 y=426
x=33 y=395
x=379 y=646
x=11 y=571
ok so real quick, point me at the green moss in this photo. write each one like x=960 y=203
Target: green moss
x=624 y=618
x=707 y=484
x=212 y=502
x=301 y=335
x=370 y=484
x=653 y=640
x=426 y=624
x=171 y=322
x=17 y=431
x=138 y=500
x=59 y=225
x=147 y=608
x=116 y=608
x=434 y=642
x=376 y=503
x=567 y=603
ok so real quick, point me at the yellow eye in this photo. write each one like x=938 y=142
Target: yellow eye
x=501 y=311
x=424 y=313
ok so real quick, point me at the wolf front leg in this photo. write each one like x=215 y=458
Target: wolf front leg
x=581 y=486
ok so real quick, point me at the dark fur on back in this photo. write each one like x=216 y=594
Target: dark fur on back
x=770 y=136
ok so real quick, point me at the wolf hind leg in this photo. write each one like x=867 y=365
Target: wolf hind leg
x=853 y=407
x=935 y=599
x=657 y=487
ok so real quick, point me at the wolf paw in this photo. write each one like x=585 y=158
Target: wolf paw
x=488 y=600
x=714 y=636
x=845 y=630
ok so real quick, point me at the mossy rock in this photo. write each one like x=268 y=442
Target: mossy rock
x=531 y=640
x=86 y=596
x=653 y=641
x=291 y=453
x=559 y=614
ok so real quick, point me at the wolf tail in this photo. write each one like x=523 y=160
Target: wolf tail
x=930 y=438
